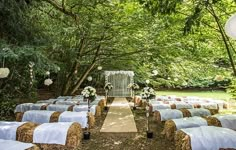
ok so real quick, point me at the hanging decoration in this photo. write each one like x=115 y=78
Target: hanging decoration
x=4 y=71
x=90 y=78
x=48 y=82
x=99 y=68
x=230 y=27
x=31 y=65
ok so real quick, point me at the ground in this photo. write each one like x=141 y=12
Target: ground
x=128 y=141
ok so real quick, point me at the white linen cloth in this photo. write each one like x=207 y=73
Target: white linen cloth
x=64 y=97
x=37 y=106
x=155 y=102
x=8 y=130
x=67 y=102
x=156 y=107
x=23 y=107
x=51 y=133
x=80 y=117
x=183 y=105
x=167 y=114
x=190 y=122
x=37 y=116
x=227 y=121
x=79 y=108
x=211 y=138
x=50 y=101
x=209 y=105
x=59 y=108
x=199 y=112
x=14 y=145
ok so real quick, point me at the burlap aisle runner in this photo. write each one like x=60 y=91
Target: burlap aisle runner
x=119 y=118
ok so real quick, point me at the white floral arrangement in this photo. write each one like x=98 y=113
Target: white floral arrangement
x=48 y=82
x=148 y=92
x=89 y=92
x=108 y=86
x=133 y=86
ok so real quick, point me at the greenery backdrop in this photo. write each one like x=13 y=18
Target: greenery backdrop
x=182 y=40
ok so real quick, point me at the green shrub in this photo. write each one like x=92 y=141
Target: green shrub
x=232 y=88
x=7 y=110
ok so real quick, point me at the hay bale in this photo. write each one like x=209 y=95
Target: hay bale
x=150 y=109
x=173 y=106
x=102 y=103
x=182 y=141
x=54 y=117
x=19 y=116
x=70 y=108
x=169 y=130
x=197 y=106
x=91 y=120
x=214 y=111
x=98 y=111
x=44 y=107
x=157 y=116
x=138 y=101
x=225 y=106
x=185 y=112
x=24 y=133
x=213 y=121
x=35 y=147
x=73 y=139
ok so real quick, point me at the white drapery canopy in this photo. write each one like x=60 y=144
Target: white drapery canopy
x=120 y=81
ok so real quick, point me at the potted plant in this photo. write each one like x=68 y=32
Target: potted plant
x=133 y=87
x=89 y=94
x=147 y=94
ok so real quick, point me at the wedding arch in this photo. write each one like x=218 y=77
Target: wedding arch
x=120 y=80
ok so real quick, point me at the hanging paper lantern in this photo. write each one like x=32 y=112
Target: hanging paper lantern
x=47 y=73
x=230 y=27
x=4 y=72
x=89 y=78
x=99 y=67
x=48 y=82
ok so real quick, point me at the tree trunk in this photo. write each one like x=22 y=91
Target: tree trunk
x=224 y=39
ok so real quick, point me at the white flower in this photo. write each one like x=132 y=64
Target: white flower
x=108 y=86
x=176 y=79
x=89 y=91
x=133 y=86
x=4 y=72
x=154 y=72
x=147 y=81
x=48 y=82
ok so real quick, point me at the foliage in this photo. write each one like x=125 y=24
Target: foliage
x=71 y=38
x=7 y=110
x=232 y=89
x=20 y=83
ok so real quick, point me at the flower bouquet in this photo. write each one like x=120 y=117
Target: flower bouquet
x=108 y=86
x=89 y=93
x=148 y=93
x=133 y=86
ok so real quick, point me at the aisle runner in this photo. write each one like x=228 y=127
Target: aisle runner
x=119 y=118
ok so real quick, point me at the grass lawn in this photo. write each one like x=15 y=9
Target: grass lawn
x=208 y=94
